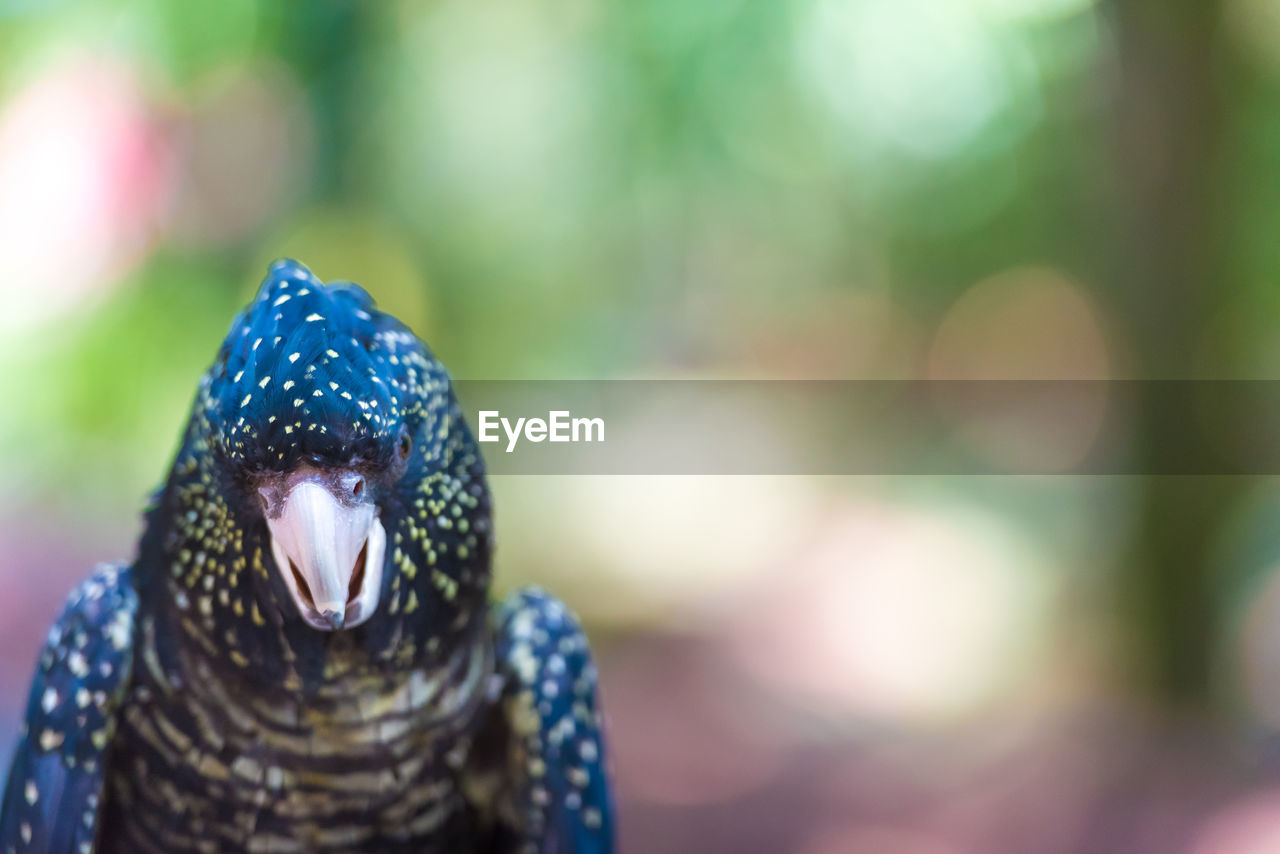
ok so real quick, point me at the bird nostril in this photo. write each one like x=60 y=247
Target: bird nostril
x=358 y=488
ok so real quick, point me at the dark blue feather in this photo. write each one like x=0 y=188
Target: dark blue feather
x=314 y=370
x=562 y=792
x=55 y=787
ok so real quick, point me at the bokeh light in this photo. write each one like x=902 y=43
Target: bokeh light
x=926 y=78
x=902 y=615
x=1251 y=826
x=1024 y=325
x=83 y=171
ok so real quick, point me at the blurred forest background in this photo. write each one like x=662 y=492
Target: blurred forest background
x=721 y=188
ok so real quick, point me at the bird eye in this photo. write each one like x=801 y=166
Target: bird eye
x=404 y=445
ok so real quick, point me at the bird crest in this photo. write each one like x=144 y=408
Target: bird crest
x=314 y=370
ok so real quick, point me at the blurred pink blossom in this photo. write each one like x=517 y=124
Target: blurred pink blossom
x=83 y=169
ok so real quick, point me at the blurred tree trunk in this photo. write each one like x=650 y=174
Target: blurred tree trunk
x=1168 y=121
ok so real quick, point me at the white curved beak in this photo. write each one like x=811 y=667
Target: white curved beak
x=329 y=552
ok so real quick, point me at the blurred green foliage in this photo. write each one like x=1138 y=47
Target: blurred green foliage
x=572 y=188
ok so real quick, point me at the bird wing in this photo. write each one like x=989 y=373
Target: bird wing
x=55 y=781
x=555 y=796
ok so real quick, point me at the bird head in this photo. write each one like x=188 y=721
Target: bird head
x=328 y=479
